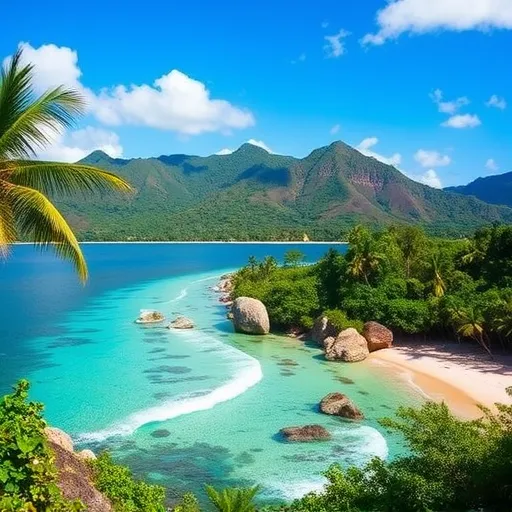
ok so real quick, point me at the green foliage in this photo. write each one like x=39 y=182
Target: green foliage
x=126 y=493
x=27 y=471
x=340 y=321
x=293 y=257
x=453 y=465
x=233 y=499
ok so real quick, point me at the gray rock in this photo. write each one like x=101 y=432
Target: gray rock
x=59 y=437
x=338 y=404
x=322 y=329
x=349 y=346
x=181 y=322
x=305 y=434
x=250 y=316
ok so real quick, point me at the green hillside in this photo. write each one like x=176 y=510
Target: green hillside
x=491 y=189
x=251 y=194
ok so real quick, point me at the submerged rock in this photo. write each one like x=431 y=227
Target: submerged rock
x=162 y=432
x=181 y=322
x=348 y=346
x=322 y=329
x=305 y=434
x=377 y=336
x=250 y=316
x=147 y=316
x=338 y=404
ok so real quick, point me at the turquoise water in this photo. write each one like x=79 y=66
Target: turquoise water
x=181 y=408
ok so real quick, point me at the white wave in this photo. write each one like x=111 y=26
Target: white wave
x=290 y=491
x=247 y=374
x=183 y=293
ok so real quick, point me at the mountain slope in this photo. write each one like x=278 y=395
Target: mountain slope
x=491 y=189
x=252 y=194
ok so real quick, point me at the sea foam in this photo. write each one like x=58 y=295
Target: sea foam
x=247 y=373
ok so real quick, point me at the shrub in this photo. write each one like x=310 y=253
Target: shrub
x=27 y=471
x=339 y=319
x=126 y=494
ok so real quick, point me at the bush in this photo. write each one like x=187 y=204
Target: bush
x=126 y=493
x=28 y=477
x=340 y=321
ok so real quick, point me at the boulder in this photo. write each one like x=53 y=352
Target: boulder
x=349 y=346
x=338 y=404
x=305 y=434
x=86 y=455
x=323 y=328
x=59 y=437
x=377 y=336
x=148 y=316
x=181 y=322
x=250 y=316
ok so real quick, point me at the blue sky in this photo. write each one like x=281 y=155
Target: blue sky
x=408 y=81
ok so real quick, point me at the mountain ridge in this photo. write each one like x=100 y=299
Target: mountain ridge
x=254 y=194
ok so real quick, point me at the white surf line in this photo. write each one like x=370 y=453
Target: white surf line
x=248 y=374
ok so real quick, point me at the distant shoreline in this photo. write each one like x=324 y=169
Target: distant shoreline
x=204 y=242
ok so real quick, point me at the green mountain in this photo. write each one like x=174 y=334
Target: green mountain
x=491 y=189
x=252 y=194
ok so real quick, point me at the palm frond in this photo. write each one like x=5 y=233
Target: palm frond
x=37 y=121
x=7 y=225
x=36 y=215
x=62 y=178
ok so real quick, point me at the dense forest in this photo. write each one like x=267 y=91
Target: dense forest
x=400 y=277
x=254 y=195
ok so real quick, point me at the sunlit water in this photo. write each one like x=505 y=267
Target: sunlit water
x=181 y=408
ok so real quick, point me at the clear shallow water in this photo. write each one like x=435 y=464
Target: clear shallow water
x=181 y=408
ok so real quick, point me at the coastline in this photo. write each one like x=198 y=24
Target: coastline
x=231 y=242
x=461 y=375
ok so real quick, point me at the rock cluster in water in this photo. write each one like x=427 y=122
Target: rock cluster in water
x=338 y=404
x=181 y=322
x=150 y=317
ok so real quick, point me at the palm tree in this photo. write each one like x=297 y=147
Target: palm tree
x=364 y=256
x=504 y=321
x=470 y=324
x=233 y=499
x=27 y=124
x=268 y=265
x=438 y=284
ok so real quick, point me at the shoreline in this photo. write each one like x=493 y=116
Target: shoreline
x=462 y=376
x=233 y=242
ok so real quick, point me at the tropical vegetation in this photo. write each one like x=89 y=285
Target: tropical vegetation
x=28 y=123
x=400 y=277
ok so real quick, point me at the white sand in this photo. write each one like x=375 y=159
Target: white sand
x=464 y=369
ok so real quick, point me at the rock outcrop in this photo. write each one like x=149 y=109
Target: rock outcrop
x=348 y=346
x=74 y=474
x=305 y=434
x=147 y=316
x=377 y=336
x=322 y=329
x=338 y=404
x=181 y=322
x=250 y=316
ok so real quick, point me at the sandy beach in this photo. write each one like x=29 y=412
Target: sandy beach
x=460 y=374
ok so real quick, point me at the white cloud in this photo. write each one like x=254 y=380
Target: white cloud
x=431 y=179
x=260 y=144
x=497 y=102
x=448 y=107
x=173 y=102
x=335 y=46
x=491 y=165
x=335 y=129
x=254 y=142
x=422 y=16
x=78 y=144
x=301 y=58
x=431 y=158
x=325 y=24
x=365 y=148
x=462 y=121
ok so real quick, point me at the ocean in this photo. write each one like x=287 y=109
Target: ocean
x=182 y=408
